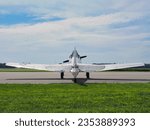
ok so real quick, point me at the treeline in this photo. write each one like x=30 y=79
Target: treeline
x=3 y=65
x=146 y=66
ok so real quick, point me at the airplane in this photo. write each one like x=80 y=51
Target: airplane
x=74 y=65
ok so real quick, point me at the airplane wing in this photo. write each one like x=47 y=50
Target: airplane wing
x=94 y=68
x=47 y=67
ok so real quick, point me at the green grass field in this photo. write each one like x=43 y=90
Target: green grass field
x=64 y=98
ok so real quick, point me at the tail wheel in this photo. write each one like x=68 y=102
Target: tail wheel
x=62 y=75
x=75 y=80
x=87 y=75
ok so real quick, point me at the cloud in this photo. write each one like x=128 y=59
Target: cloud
x=67 y=9
x=117 y=29
x=85 y=30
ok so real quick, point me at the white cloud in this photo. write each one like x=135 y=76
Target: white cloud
x=62 y=8
x=87 y=24
x=70 y=30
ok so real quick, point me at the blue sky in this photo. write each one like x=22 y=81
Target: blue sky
x=46 y=31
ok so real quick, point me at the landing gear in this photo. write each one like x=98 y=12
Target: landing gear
x=75 y=80
x=87 y=75
x=61 y=75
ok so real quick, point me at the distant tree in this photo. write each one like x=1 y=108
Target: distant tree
x=3 y=65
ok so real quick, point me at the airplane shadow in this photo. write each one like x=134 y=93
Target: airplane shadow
x=82 y=81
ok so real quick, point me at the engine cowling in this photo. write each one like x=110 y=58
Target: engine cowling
x=75 y=72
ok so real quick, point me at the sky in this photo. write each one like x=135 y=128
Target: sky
x=46 y=31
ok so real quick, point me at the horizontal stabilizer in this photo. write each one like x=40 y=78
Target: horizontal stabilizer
x=83 y=57
x=65 y=61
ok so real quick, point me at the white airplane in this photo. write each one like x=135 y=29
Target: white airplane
x=74 y=66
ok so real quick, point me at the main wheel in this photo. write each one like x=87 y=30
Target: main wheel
x=62 y=75
x=75 y=80
x=87 y=75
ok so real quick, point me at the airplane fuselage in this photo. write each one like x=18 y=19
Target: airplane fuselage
x=74 y=59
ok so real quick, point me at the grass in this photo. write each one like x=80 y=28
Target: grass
x=68 y=98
